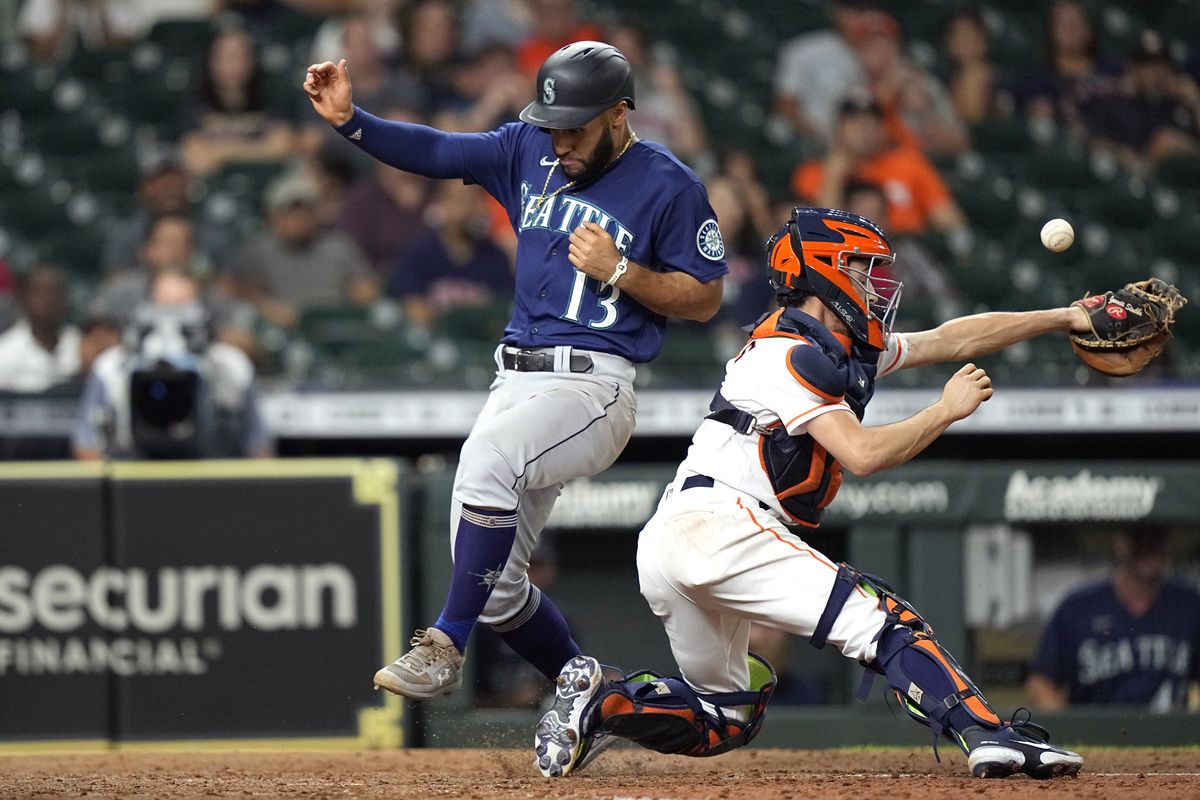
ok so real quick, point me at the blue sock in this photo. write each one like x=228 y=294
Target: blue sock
x=481 y=549
x=539 y=634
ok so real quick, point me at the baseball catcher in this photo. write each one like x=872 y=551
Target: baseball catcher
x=725 y=546
x=1128 y=327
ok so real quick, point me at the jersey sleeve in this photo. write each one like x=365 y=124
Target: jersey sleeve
x=809 y=385
x=894 y=355
x=688 y=239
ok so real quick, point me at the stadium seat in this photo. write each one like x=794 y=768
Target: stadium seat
x=1181 y=172
x=75 y=247
x=474 y=323
x=181 y=37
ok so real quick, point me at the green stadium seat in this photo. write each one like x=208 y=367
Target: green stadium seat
x=1002 y=136
x=1181 y=172
x=35 y=211
x=474 y=324
x=1117 y=206
x=105 y=170
x=181 y=37
x=76 y=247
x=1060 y=168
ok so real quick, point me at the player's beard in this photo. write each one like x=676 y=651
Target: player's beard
x=597 y=162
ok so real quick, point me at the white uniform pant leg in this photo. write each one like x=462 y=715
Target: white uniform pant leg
x=711 y=551
x=537 y=431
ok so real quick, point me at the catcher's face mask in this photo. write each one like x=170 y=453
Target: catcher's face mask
x=834 y=255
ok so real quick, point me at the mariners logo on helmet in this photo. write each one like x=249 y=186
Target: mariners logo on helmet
x=548 y=93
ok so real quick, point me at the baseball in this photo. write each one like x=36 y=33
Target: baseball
x=1057 y=235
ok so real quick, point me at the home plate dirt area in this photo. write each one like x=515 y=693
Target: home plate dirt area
x=622 y=773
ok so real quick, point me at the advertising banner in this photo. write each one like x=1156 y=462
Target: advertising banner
x=241 y=600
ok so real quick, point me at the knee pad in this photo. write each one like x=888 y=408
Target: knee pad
x=668 y=716
x=926 y=679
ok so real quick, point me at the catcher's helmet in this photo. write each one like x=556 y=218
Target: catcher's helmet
x=576 y=83
x=811 y=254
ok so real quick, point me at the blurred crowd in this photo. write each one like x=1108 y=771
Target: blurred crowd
x=279 y=221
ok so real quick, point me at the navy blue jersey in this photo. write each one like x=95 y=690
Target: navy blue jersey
x=654 y=207
x=1101 y=654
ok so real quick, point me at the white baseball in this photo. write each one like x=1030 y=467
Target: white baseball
x=1057 y=235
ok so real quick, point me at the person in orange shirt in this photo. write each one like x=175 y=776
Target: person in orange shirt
x=918 y=199
x=555 y=23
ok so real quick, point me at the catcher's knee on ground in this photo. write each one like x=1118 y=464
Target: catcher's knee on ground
x=930 y=685
x=668 y=716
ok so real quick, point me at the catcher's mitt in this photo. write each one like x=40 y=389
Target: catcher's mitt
x=1129 y=326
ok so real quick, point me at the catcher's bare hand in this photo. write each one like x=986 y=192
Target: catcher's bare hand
x=328 y=88
x=966 y=390
x=593 y=252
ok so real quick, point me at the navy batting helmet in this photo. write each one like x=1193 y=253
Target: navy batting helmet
x=578 y=82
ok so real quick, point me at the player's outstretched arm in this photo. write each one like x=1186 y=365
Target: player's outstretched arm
x=864 y=450
x=979 y=334
x=672 y=294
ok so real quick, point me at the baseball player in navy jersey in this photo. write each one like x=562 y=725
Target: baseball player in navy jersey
x=725 y=545
x=614 y=235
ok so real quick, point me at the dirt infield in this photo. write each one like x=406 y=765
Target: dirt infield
x=620 y=774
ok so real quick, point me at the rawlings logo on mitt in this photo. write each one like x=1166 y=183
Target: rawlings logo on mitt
x=1129 y=326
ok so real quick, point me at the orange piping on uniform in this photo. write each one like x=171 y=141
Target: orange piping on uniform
x=775 y=533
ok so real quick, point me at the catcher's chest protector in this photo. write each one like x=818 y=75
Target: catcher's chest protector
x=804 y=477
x=668 y=716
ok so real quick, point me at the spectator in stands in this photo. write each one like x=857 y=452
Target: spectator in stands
x=916 y=109
x=295 y=265
x=976 y=84
x=793 y=687
x=490 y=89
x=41 y=350
x=555 y=23
x=383 y=87
x=816 y=70
x=455 y=264
x=96 y=334
x=1074 y=72
x=666 y=111
x=163 y=188
x=8 y=303
x=489 y=22
x=746 y=296
x=429 y=29
x=169 y=243
x=231 y=119
x=918 y=199
x=55 y=29
x=384 y=211
x=926 y=282
x=170 y=391
x=1156 y=113
x=1132 y=638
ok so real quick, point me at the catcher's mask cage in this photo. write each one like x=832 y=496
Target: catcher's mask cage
x=814 y=252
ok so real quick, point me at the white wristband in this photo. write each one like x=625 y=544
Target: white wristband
x=621 y=268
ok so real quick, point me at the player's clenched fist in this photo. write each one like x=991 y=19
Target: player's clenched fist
x=966 y=390
x=328 y=87
x=593 y=252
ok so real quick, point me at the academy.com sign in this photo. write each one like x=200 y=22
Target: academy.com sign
x=1083 y=496
x=891 y=497
x=139 y=609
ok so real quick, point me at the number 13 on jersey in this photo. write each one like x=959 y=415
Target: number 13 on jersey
x=608 y=303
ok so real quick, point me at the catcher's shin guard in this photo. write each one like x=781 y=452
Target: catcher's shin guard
x=929 y=683
x=667 y=715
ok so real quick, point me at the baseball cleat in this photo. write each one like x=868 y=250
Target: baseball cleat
x=433 y=666
x=1017 y=747
x=560 y=743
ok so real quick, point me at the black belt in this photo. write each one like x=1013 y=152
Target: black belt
x=705 y=482
x=541 y=361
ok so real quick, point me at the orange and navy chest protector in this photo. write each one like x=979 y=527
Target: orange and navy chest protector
x=803 y=475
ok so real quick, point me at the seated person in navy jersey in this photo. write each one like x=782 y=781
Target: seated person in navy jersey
x=453 y=265
x=1130 y=639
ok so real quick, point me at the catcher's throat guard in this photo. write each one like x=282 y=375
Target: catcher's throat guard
x=925 y=678
x=668 y=716
x=833 y=254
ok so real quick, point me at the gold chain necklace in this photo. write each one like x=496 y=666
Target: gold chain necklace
x=544 y=197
